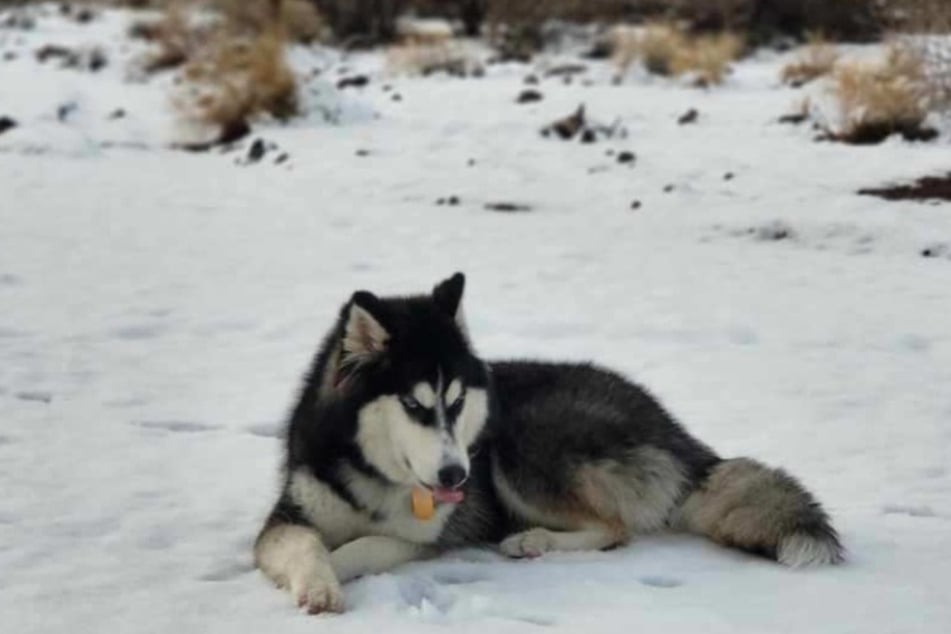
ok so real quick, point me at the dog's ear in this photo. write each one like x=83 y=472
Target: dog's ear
x=448 y=295
x=364 y=335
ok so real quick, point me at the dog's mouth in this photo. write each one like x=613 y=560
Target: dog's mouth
x=445 y=495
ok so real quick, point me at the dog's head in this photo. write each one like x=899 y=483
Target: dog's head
x=421 y=393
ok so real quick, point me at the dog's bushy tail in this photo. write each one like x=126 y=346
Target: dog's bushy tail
x=745 y=504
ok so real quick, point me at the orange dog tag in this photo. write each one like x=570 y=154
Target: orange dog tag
x=424 y=507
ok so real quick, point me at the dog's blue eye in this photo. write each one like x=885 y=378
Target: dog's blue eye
x=410 y=403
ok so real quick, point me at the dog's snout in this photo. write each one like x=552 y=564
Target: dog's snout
x=452 y=476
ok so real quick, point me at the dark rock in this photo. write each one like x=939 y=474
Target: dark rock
x=531 y=80
x=668 y=189
x=937 y=188
x=66 y=110
x=794 y=119
x=626 y=157
x=728 y=176
x=118 y=113
x=363 y=152
x=589 y=136
x=6 y=123
x=569 y=126
x=529 y=96
x=566 y=70
x=636 y=204
x=356 y=81
x=282 y=158
x=256 y=152
x=505 y=207
x=397 y=97
x=453 y=201
x=688 y=117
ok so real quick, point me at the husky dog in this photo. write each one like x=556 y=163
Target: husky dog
x=531 y=457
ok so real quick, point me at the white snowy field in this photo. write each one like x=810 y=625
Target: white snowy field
x=158 y=308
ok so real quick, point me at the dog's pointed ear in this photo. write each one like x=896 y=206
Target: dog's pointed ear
x=448 y=295
x=364 y=334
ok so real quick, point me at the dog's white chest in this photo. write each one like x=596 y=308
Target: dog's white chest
x=389 y=512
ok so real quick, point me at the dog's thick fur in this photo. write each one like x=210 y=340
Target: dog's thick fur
x=533 y=457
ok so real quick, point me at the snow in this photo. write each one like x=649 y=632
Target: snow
x=159 y=307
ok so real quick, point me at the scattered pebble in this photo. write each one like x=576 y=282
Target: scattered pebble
x=7 y=123
x=529 y=96
x=506 y=207
x=626 y=157
x=688 y=117
x=636 y=204
x=356 y=81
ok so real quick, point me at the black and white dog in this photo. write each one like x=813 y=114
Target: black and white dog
x=398 y=412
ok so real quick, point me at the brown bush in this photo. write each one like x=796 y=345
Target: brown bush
x=917 y=16
x=815 y=60
x=668 y=49
x=233 y=81
x=878 y=99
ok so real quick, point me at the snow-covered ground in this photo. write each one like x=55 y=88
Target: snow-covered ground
x=157 y=309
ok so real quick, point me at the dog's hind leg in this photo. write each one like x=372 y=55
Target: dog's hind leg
x=537 y=541
x=373 y=555
x=294 y=558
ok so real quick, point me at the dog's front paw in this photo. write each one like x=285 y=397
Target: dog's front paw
x=532 y=543
x=317 y=594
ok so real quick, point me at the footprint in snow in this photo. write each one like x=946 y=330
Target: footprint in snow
x=138 y=332
x=657 y=581
x=265 y=430
x=175 y=426
x=229 y=571
x=35 y=396
x=911 y=511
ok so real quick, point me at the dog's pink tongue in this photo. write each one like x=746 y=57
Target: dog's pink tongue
x=448 y=496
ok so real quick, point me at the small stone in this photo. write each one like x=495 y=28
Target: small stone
x=690 y=116
x=589 y=136
x=728 y=176
x=626 y=157
x=529 y=96
x=636 y=204
x=257 y=151
x=7 y=123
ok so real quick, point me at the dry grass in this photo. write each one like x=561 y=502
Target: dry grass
x=817 y=59
x=233 y=67
x=669 y=50
x=449 y=56
x=878 y=99
x=234 y=81
x=918 y=16
x=298 y=18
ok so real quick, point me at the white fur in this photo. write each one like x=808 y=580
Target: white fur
x=537 y=541
x=295 y=558
x=339 y=523
x=372 y=555
x=453 y=392
x=800 y=551
x=424 y=393
x=390 y=439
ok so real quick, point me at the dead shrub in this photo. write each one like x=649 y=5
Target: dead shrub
x=299 y=18
x=881 y=98
x=174 y=37
x=235 y=80
x=669 y=50
x=918 y=16
x=815 y=60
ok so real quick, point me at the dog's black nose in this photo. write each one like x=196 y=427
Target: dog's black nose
x=452 y=476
